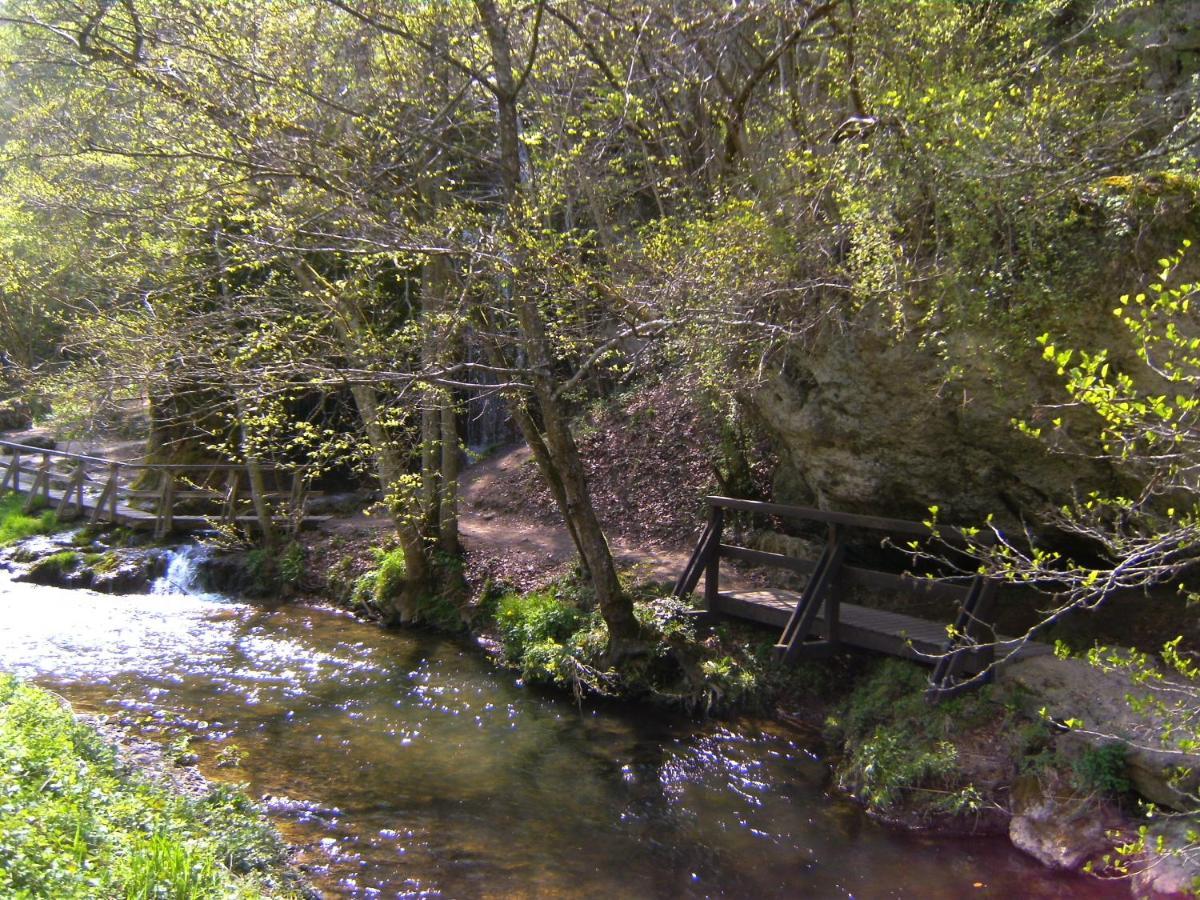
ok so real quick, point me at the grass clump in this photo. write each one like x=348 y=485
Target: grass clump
x=16 y=524
x=72 y=825
x=899 y=752
x=51 y=569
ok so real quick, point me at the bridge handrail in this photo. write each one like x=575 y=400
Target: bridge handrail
x=159 y=467
x=850 y=520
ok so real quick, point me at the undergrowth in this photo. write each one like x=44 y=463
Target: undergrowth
x=899 y=751
x=375 y=591
x=73 y=825
x=16 y=524
x=556 y=635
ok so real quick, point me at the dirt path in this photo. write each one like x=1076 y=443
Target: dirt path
x=527 y=546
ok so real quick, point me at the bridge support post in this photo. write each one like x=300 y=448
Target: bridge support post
x=974 y=617
x=12 y=476
x=712 y=565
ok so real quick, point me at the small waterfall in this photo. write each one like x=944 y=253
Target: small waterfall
x=183 y=572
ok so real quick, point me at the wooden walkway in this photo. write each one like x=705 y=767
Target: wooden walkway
x=160 y=497
x=816 y=622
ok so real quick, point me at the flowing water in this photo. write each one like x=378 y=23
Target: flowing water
x=403 y=764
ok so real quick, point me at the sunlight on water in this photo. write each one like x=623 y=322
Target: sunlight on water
x=405 y=765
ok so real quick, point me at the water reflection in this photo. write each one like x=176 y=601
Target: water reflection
x=404 y=765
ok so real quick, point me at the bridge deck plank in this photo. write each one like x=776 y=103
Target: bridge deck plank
x=859 y=626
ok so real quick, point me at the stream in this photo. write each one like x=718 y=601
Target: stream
x=405 y=764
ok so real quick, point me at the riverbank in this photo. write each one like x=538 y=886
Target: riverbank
x=90 y=812
x=988 y=763
x=403 y=762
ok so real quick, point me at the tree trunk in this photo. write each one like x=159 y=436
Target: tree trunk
x=561 y=462
x=390 y=465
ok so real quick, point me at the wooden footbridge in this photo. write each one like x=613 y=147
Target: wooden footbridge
x=816 y=621
x=161 y=497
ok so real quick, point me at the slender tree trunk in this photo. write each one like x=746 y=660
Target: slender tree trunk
x=561 y=462
x=390 y=464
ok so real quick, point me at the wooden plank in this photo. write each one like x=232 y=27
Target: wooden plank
x=893 y=633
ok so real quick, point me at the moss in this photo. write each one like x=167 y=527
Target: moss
x=103 y=563
x=53 y=567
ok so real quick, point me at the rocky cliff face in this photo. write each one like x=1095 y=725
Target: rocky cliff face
x=866 y=422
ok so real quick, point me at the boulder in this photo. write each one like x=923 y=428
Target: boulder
x=127 y=570
x=870 y=423
x=15 y=415
x=40 y=441
x=1159 y=770
x=61 y=569
x=1171 y=868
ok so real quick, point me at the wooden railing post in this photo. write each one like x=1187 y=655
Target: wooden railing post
x=107 y=495
x=833 y=595
x=165 y=522
x=74 y=485
x=41 y=481
x=232 y=483
x=974 y=616
x=12 y=478
x=114 y=497
x=822 y=584
x=712 y=566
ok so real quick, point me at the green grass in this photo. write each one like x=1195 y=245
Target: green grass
x=16 y=525
x=73 y=826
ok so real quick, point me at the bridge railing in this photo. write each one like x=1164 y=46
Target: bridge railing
x=829 y=575
x=137 y=493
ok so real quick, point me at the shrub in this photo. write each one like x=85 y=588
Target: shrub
x=1103 y=770
x=526 y=620
x=891 y=762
